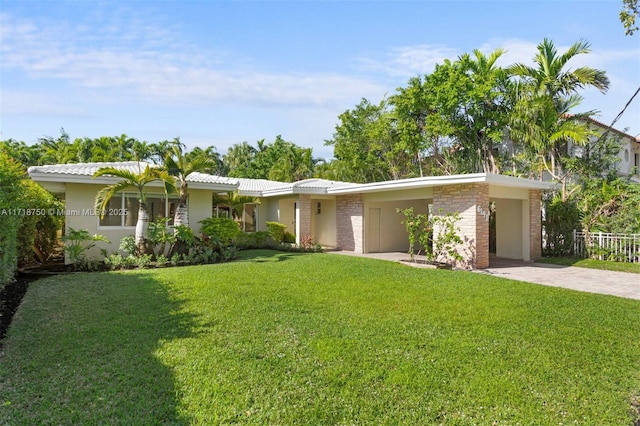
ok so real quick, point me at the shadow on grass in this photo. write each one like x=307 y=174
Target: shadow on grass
x=263 y=256
x=83 y=350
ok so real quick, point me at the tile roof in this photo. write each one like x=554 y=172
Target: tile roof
x=320 y=183
x=83 y=173
x=259 y=185
x=88 y=169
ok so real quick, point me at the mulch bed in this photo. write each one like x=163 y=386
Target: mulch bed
x=11 y=295
x=10 y=298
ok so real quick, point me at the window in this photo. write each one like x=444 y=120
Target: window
x=122 y=210
x=113 y=214
x=248 y=216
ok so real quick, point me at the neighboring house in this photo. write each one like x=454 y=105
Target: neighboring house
x=629 y=154
x=355 y=217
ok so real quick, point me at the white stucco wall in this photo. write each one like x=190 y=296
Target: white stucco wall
x=286 y=213
x=79 y=199
x=200 y=207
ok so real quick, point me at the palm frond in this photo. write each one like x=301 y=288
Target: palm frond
x=105 y=194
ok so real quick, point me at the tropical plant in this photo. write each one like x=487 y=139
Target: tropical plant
x=138 y=181
x=78 y=242
x=446 y=242
x=235 y=202
x=224 y=229
x=413 y=225
x=239 y=158
x=181 y=166
x=437 y=235
x=37 y=236
x=545 y=96
x=161 y=238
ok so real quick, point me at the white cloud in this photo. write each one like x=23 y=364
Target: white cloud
x=408 y=61
x=130 y=57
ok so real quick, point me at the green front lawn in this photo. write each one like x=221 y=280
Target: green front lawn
x=283 y=338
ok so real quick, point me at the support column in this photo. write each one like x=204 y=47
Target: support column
x=535 y=224
x=471 y=201
x=303 y=217
x=350 y=223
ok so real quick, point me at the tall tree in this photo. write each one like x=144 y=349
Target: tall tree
x=180 y=166
x=57 y=150
x=238 y=159
x=138 y=181
x=212 y=154
x=367 y=146
x=546 y=95
x=27 y=155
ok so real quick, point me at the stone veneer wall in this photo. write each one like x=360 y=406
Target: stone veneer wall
x=535 y=224
x=471 y=201
x=304 y=217
x=350 y=222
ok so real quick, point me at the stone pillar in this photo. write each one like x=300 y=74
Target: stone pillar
x=303 y=219
x=535 y=224
x=350 y=223
x=471 y=202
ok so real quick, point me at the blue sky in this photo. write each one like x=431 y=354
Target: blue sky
x=223 y=72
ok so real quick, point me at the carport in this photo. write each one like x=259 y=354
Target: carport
x=367 y=221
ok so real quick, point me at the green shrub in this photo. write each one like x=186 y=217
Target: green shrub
x=276 y=230
x=289 y=238
x=11 y=184
x=221 y=228
x=561 y=219
x=446 y=244
x=37 y=235
x=117 y=261
x=255 y=240
x=205 y=250
x=128 y=245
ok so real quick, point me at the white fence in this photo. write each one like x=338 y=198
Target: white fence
x=605 y=246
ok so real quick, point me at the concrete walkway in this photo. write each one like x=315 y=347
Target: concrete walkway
x=621 y=284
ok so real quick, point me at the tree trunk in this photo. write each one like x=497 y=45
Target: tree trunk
x=181 y=216
x=142 y=228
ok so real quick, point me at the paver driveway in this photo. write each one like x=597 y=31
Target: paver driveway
x=622 y=284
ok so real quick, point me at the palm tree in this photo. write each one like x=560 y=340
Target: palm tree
x=484 y=107
x=238 y=159
x=181 y=166
x=549 y=76
x=235 y=202
x=545 y=95
x=138 y=181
